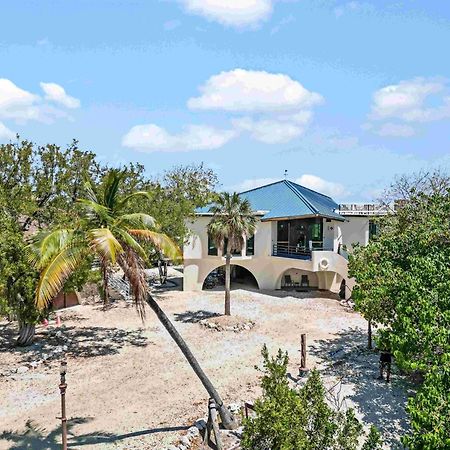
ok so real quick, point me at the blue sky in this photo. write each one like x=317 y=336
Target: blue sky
x=342 y=94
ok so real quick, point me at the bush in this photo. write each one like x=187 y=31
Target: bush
x=287 y=419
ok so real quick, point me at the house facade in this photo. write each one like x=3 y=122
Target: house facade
x=301 y=240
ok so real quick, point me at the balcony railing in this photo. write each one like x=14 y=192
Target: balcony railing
x=291 y=251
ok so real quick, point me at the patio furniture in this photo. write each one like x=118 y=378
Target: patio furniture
x=305 y=281
x=288 y=281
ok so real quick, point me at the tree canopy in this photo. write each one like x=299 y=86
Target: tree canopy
x=403 y=285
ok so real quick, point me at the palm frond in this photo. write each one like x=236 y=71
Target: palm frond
x=135 y=220
x=130 y=241
x=132 y=267
x=43 y=245
x=56 y=272
x=90 y=194
x=95 y=210
x=122 y=202
x=161 y=241
x=105 y=244
x=111 y=185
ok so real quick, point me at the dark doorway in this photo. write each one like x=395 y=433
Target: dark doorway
x=240 y=278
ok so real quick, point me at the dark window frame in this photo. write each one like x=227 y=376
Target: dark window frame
x=212 y=249
x=250 y=249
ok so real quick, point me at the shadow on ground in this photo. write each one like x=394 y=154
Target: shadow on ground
x=383 y=404
x=195 y=316
x=38 y=438
x=84 y=342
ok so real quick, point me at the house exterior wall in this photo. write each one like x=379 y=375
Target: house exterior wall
x=268 y=270
x=355 y=230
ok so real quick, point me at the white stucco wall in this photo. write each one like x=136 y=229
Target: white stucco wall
x=268 y=270
x=355 y=230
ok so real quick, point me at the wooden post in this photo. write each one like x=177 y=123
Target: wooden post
x=303 y=350
x=214 y=425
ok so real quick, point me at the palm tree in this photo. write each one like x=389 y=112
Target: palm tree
x=232 y=223
x=107 y=230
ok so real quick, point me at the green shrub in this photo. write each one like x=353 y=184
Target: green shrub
x=287 y=419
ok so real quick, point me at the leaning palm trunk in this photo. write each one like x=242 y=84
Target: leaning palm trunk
x=228 y=283
x=227 y=418
x=26 y=334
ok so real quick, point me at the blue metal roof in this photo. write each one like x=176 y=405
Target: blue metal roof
x=287 y=199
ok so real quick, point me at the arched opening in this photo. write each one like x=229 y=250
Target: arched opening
x=299 y=280
x=241 y=278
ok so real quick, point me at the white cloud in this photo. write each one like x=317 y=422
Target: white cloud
x=320 y=185
x=152 y=138
x=20 y=105
x=56 y=93
x=248 y=184
x=5 y=133
x=16 y=103
x=406 y=101
x=256 y=91
x=409 y=102
x=277 y=110
x=269 y=131
x=234 y=13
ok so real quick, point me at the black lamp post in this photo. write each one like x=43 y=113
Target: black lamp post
x=62 y=390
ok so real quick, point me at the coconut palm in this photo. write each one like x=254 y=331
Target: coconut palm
x=117 y=237
x=232 y=223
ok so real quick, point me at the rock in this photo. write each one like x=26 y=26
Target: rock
x=22 y=369
x=33 y=364
x=194 y=431
x=234 y=408
x=186 y=440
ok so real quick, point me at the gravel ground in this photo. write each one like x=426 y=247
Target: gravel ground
x=129 y=387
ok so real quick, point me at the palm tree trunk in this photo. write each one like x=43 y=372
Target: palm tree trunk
x=26 y=334
x=105 y=284
x=228 y=283
x=227 y=418
x=369 y=334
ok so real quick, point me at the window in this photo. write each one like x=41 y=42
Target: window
x=250 y=249
x=373 y=229
x=283 y=231
x=316 y=231
x=212 y=249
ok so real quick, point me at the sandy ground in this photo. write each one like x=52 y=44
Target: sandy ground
x=130 y=388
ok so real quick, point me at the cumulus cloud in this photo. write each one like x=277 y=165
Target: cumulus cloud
x=20 y=105
x=56 y=93
x=320 y=185
x=270 y=131
x=153 y=138
x=256 y=91
x=233 y=13
x=270 y=108
x=409 y=102
x=5 y=133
